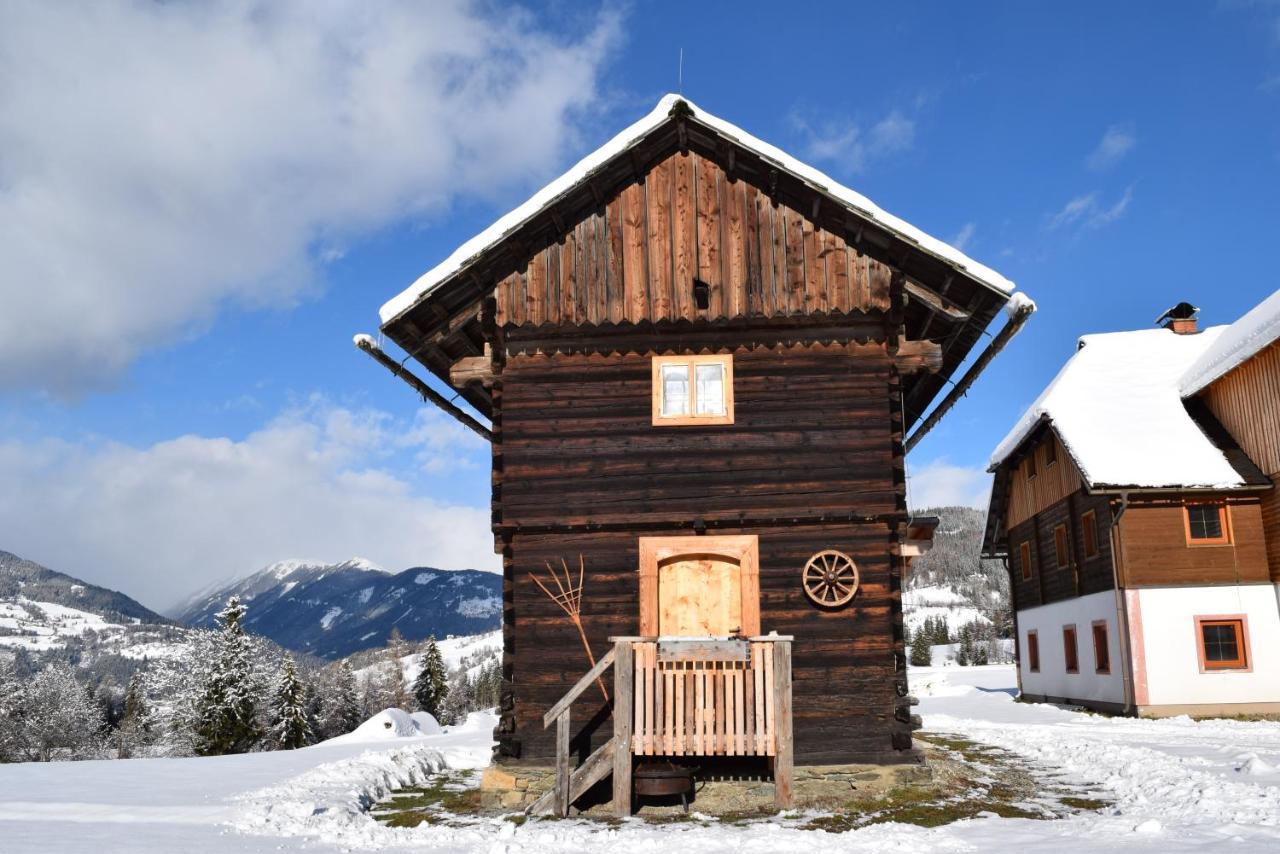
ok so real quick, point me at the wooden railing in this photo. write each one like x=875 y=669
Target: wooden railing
x=681 y=697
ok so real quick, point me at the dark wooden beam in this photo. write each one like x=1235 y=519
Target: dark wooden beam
x=371 y=347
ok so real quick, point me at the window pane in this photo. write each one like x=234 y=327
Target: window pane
x=1220 y=642
x=675 y=390
x=1205 y=521
x=710 y=394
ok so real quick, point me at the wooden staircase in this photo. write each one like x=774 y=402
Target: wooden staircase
x=680 y=697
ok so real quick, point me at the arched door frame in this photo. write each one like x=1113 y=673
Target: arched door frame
x=743 y=549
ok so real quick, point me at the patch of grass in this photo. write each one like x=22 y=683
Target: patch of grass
x=443 y=799
x=1083 y=804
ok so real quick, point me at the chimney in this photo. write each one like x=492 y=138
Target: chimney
x=1180 y=319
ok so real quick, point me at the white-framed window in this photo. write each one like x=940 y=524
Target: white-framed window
x=692 y=390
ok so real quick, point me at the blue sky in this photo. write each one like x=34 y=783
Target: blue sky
x=198 y=212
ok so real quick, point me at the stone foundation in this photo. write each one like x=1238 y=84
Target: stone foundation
x=513 y=788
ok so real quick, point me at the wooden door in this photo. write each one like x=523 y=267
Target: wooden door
x=699 y=595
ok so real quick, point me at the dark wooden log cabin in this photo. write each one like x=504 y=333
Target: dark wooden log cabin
x=692 y=336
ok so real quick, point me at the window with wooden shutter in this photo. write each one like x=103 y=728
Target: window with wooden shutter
x=1024 y=560
x=1033 y=651
x=1089 y=529
x=1060 y=550
x=1071 y=655
x=692 y=390
x=1101 y=651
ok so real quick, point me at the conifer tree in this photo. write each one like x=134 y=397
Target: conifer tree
x=344 y=714
x=431 y=687
x=921 y=651
x=226 y=712
x=290 y=726
x=137 y=723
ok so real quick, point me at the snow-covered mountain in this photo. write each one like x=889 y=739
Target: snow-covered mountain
x=952 y=580
x=44 y=612
x=333 y=610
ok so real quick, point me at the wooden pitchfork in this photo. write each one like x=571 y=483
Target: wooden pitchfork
x=570 y=601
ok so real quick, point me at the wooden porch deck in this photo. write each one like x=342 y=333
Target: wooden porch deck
x=677 y=697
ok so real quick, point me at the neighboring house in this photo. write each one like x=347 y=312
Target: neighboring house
x=700 y=361
x=1134 y=503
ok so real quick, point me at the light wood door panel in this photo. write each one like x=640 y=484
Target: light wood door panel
x=699 y=595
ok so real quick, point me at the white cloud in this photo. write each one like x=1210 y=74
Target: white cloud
x=1088 y=211
x=1118 y=141
x=849 y=145
x=162 y=521
x=963 y=236
x=938 y=483
x=163 y=160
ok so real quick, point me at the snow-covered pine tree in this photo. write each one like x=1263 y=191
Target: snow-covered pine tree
x=432 y=685
x=226 y=711
x=10 y=705
x=56 y=718
x=290 y=727
x=341 y=704
x=137 y=723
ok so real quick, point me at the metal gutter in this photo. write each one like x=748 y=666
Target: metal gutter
x=1017 y=319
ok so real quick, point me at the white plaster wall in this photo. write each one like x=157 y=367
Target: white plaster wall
x=1171 y=651
x=1053 y=679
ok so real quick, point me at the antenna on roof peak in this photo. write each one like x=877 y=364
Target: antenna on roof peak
x=680 y=73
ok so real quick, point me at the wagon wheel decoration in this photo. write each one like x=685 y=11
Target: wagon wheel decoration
x=830 y=578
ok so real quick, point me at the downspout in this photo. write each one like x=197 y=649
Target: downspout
x=1019 y=308
x=367 y=344
x=1122 y=613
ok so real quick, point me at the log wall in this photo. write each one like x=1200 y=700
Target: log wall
x=1083 y=575
x=636 y=257
x=814 y=433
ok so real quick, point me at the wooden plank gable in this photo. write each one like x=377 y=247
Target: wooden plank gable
x=635 y=258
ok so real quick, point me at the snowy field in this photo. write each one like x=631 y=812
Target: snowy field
x=1176 y=785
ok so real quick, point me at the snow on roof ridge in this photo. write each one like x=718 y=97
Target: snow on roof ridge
x=1116 y=407
x=620 y=142
x=1257 y=329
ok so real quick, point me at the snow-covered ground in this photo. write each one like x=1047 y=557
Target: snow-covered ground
x=1176 y=785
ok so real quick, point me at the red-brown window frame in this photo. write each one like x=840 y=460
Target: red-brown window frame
x=1024 y=559
x=1242 y=664
x=1033 y=651
x=1070 y=651
x=1031 y=465
x=1224 y=523
x=1050 y=452
x=1089 y=530
x=1061 y=547
x=1101 y=664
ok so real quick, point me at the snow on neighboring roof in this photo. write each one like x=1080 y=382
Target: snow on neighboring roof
x=1241 y=341
x=1116 y=407
x=624 y=140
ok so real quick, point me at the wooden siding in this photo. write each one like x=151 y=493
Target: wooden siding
x=635 y=258
x=1247 y=402
x=1271 y=529
x=848 y=663
x=1155 y=551
x=1052 y=483
x=1082 y=575
x=812 y=434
